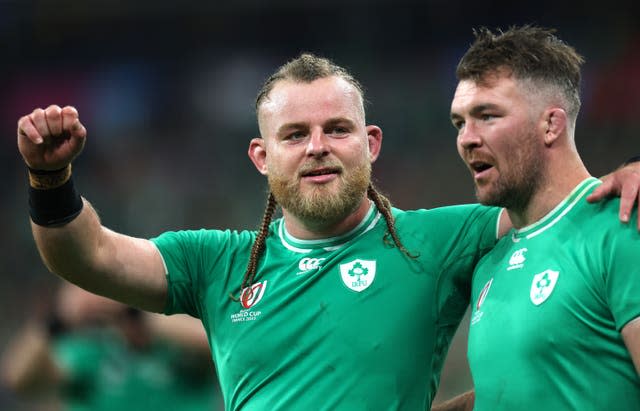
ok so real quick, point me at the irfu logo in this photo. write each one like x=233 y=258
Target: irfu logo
x=358 y=274
x=542 y=286
x=358 y=270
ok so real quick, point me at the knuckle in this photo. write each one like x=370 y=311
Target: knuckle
x=70 y=110
x=53 y=111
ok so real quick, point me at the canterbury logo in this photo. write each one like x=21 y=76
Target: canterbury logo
x=308 y=264
x=517 y=259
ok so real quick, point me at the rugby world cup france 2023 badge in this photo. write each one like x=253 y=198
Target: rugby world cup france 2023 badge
x=252 y=295
x=249 y=297
x=477 y=313
x=358 y=275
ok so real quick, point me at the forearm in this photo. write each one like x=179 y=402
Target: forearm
x=67 y=231
x=71 y=250
x=463 y=402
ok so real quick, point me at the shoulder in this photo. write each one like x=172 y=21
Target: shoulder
x=199 y=238
x=601 y=227
x=586 y=210
x=453 y=226
x=605 y=213
x=448 y=215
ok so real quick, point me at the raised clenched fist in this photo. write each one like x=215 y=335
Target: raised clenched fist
x=50 y=139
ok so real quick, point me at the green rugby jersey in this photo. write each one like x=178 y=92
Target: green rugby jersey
x=345 y=323
x=548 y=304
x=104 y=373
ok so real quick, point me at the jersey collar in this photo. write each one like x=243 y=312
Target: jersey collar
x=332 y=243
x=557 y=213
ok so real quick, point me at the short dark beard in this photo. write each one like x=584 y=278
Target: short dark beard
x=514 y=190
x=318 y=209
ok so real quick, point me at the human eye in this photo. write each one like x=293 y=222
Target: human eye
x=488 y=116
x=338 y=130
x=295 y=135
x=458 y=124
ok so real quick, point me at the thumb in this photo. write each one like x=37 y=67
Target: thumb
x=77 y=136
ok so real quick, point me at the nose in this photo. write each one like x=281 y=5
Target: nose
x=468 y=137
x=318 y=144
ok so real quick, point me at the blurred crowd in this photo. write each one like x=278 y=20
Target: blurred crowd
x=90 y=353
x=166 y=93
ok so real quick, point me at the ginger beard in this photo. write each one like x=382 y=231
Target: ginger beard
x=321 y=203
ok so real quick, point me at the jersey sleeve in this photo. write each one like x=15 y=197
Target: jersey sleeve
x=467 y=233
x=476 y=229
x=622 y=273
x=193 y=261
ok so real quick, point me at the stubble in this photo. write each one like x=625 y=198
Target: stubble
x=519 y=180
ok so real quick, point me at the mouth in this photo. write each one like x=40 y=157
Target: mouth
x=320 y=174
x=479 y=169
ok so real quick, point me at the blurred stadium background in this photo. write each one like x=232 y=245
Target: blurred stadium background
x=166 y=92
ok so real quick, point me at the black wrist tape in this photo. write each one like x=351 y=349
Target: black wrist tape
x=632 y=160
x=56 y=206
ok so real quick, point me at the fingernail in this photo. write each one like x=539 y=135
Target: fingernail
x=625 y=218
x=39 y=140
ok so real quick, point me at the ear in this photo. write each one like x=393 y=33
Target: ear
x=555 y=125
x=258 y=154
x=374 y=137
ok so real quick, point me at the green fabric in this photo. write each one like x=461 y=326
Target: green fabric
x=347 y=323
x=104 y=373
x=552 y=342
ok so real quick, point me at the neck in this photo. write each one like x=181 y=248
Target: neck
x=559 y=179
x=313 y=230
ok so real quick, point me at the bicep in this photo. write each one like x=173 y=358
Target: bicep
x=631 y=336
x=104 y=262
x=133 y=271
